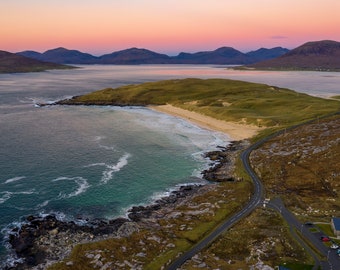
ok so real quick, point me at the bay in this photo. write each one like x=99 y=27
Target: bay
x=95 y=162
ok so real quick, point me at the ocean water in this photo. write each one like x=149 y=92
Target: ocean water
x=96 y=162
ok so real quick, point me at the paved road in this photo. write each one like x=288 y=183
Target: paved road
x=333 y=261
x=255 y=200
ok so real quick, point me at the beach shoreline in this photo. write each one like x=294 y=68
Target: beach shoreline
x=235 y=131
x=43 y=241
x=47 y=235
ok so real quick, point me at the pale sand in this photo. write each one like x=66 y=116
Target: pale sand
x=234 y=130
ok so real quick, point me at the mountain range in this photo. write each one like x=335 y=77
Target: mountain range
x=317 y=55
x=222 y=56
x=13 y=63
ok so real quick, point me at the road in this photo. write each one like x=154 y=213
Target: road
x=255 y=200
x=332 y=260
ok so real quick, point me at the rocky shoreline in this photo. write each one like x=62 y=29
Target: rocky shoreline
x=45 y=240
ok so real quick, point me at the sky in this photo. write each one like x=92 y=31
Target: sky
x=165 y=26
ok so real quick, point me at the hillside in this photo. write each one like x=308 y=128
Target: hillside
x=304 y=165
x=13 y=63
x=134 y=56
x=265 y=54
x=319 y=55
x=228 y=100
x=62 y=56
x=222 y=56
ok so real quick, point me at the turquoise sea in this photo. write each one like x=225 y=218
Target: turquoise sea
x=89 y=162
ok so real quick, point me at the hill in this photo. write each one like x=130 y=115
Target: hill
x=265 y=54
x=224 y=55
x=62 y=56
x=319 y=55
x=135 y=56
x=13 y=63
x=227 y=100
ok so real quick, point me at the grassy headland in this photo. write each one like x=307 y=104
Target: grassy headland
x=227 y=100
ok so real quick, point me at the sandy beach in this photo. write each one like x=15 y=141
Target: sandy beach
x=235 y=131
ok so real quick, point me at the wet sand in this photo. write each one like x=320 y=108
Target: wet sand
x=235 y=131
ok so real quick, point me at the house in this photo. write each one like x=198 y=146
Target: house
x=335 y=222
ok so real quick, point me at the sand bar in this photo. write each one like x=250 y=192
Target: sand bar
x=234 y=130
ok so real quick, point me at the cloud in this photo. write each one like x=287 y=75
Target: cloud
x=278 y=37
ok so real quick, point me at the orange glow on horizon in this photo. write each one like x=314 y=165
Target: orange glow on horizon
x=165 y=26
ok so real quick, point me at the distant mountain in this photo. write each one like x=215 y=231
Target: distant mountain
x=62 y=56
x=224 y=56
x=134 y=56
x=265 y=54
x=13 y=63
x=317 y=55
x=31 y=54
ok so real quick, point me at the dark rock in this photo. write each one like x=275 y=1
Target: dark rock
x=26 y=241
x=221 y=169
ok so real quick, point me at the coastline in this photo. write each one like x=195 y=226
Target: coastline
x=234 y=130
x=43 y=241
x=40 y=241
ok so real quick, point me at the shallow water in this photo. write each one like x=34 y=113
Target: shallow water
x=93 y=162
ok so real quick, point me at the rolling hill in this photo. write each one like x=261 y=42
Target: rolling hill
x=318 y=55
x=14 y=63
x=135 y=56
x=62 y=56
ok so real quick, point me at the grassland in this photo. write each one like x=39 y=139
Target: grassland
x=228 y=100
x=302 y=167
x=166 y=234
x=267 y=243
x=261 y=238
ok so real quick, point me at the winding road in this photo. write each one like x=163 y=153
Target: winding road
x=305 y=237
x=255 y=200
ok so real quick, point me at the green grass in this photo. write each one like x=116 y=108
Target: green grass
x=158 y=253
x=326 y=229
x=228 y=100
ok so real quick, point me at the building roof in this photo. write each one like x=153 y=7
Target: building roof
x=336 y=222
x=283 y=268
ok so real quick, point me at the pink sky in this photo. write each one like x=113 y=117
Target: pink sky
x=165 y=26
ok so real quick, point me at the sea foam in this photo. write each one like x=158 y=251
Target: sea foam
x=6 y=195
x=14 y=179
x=82 y=183
x=110 y=169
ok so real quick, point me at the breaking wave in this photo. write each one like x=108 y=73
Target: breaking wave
x=82 y=183
x=111 y=168
x=6 y=195
x=14 y=179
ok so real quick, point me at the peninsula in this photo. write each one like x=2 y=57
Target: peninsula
x=163 y=231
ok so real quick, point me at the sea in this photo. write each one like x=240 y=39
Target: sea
x=86 y=162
